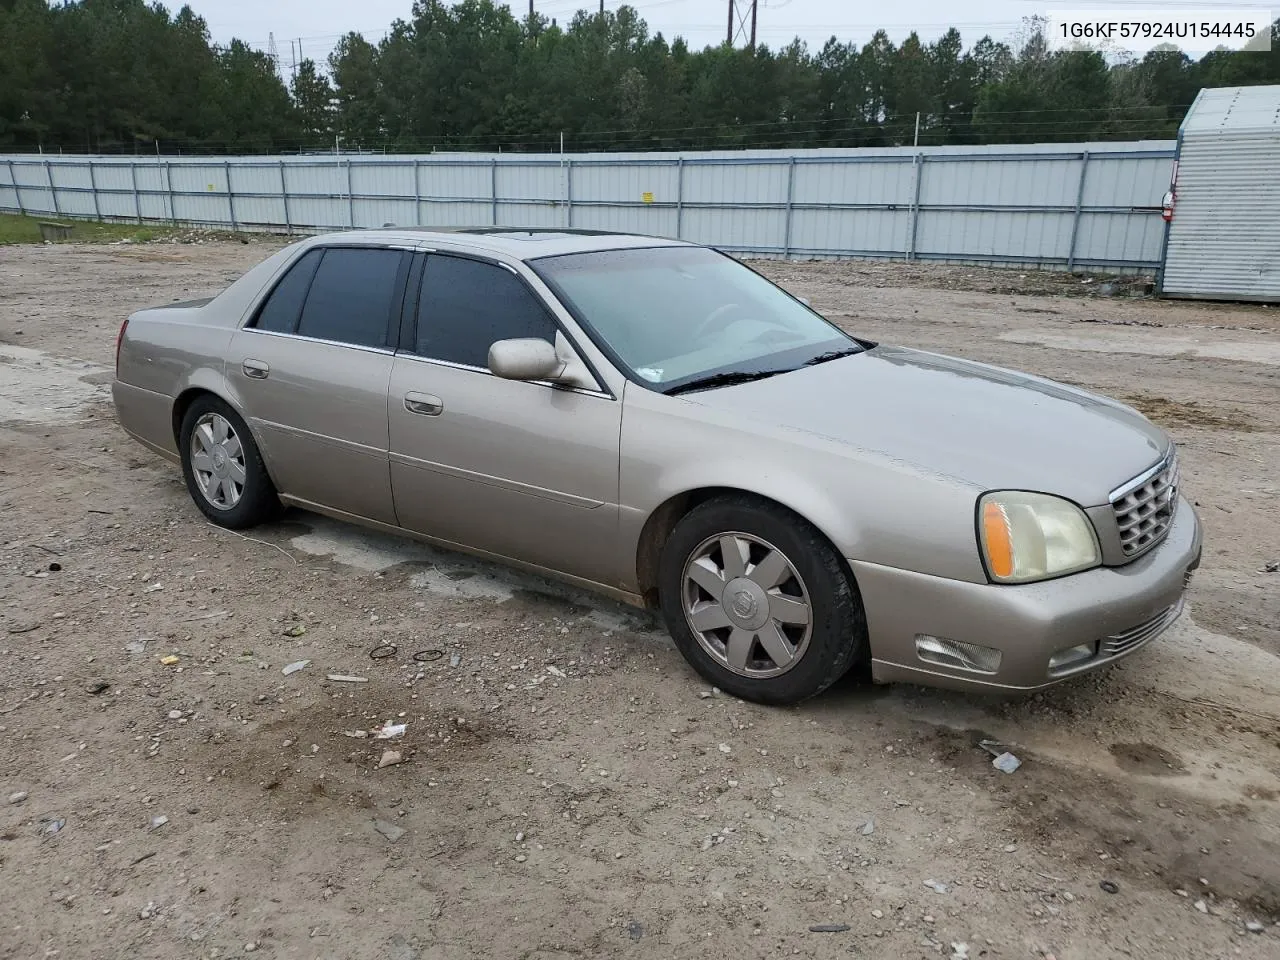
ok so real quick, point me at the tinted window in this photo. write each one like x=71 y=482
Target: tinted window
x=280 y=312
x=351 y=297
x=466 y=305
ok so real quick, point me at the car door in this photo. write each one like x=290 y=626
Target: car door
x=523 y=470
x=312 y=368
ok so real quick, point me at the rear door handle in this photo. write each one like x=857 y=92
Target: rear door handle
x=424 y=404
x=255 y=369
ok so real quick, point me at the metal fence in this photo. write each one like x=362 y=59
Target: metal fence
x=1094 y=206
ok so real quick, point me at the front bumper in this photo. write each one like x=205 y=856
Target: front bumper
x=1116 y=610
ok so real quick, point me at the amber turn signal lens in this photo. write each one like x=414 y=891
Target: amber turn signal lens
x=998 y=540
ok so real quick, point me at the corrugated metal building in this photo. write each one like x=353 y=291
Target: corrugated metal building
x=1223 y=242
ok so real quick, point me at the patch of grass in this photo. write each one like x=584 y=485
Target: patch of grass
x=19 y=229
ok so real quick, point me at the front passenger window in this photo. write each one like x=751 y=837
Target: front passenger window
x=467 y=305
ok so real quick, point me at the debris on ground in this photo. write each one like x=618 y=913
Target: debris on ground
x=1202 y=906
x=1006 y=763
x=389 y=731
x=356 y=734
x=346 y=678
x=52 y=826
x=1271 y=566
x=1109 y=886
x=296 y=630
x=97 y=687
x=635 y=930
x=17 y=796
x=169 y=661
x=868 y=828
x=1253 y=926
x=384 y=651
x=959 y=951
x=829 y=928
x=454 y=659
x=937 y=886
x=390 y=758
x=157 y=822
x=389 y=830
x=137 y=646
x=295 y=667
x=557 y=672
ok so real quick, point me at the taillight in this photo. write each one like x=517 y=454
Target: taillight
x=119 y=341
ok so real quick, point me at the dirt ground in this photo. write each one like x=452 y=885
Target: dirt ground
x=568 y=788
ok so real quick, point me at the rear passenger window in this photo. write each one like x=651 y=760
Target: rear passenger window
x=352 y=296
x=466 y=305
x=280 y=312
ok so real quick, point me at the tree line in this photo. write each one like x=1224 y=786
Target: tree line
x=127 y=76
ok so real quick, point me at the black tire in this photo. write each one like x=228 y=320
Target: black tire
x=837 y=639
x=258 y=502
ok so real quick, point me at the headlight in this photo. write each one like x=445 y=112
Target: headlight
x=1033 y=536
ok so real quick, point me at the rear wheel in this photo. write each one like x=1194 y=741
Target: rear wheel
x=759 y=602
x=222 y=466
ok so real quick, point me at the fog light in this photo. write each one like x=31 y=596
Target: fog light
x=957 y=654
x=1071 y=656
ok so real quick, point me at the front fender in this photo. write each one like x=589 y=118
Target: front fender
x=870 y=506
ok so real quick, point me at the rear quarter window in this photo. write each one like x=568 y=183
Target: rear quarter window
x=280 y=312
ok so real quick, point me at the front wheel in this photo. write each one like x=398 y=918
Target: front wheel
x=224 y=471
x=759 y=602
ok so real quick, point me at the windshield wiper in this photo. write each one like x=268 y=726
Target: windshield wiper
x=833 y=355
x=722 y=380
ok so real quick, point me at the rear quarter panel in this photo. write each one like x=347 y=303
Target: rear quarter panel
x=167 y=351
x=164 y=353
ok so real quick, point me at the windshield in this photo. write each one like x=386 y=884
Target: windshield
x=676 y=315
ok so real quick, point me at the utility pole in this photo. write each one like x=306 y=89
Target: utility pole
x=530 y=9
x=743 y=15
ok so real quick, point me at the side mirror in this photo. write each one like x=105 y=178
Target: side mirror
x=524 y=359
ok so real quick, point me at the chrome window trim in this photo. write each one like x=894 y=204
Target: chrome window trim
x=385 y=351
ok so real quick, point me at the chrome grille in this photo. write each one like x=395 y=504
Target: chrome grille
x=1144 y=507
x=1135 y=637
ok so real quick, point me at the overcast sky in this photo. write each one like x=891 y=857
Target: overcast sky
x=319 y=23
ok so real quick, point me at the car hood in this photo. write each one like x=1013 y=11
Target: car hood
x=993 y=428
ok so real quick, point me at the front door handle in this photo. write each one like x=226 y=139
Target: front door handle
x=424 y=404
x=255 y=369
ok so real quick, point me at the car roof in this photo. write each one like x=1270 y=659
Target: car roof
x=518 y=243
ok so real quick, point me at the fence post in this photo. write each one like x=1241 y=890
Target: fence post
x=568 y=192
x=93 y=192
x=168 y=183
x=791 y=192
x=17 y=190
x=493 y=189
x=137 y=201
x=53 y=191
x=284 y=198
x=1075 y=218
x=351 y=203
x=915 y=205
x=417 y=191
x=231 y=197
x=679 y=196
